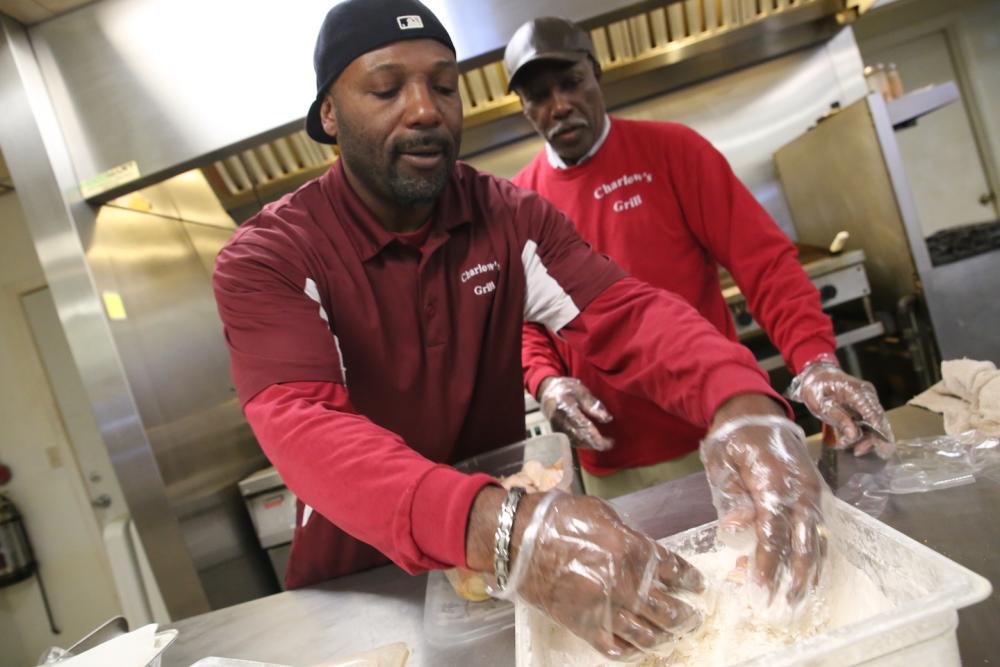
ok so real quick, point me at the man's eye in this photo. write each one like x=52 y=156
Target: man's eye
x=445 y=90
x=386 y=94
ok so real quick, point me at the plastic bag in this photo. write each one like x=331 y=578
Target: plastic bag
x=926 y=464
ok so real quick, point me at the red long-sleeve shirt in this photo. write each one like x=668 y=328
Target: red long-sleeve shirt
x=665 y=204
x=367 y=361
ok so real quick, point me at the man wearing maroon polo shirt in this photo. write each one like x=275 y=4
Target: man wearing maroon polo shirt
x=373 y=318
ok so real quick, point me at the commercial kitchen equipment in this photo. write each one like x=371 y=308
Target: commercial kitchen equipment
x=841 y=280
x=272 y=509
x=846 y=174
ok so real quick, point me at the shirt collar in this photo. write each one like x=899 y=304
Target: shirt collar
x=370 y=237
x=557 y=162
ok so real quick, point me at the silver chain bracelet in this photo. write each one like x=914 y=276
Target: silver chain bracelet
x=505 y=526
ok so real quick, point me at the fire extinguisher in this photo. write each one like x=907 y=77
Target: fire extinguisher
x=17 y=559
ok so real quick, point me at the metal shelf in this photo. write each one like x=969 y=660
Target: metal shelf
x=852 y=337
x=922 y=101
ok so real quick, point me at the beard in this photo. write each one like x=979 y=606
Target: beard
x=382 y=172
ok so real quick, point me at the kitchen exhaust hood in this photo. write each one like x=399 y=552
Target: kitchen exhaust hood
x=642 y=54
x=135 y=114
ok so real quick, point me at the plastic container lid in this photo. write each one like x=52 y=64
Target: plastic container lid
x=546 y=449
x=449 y=619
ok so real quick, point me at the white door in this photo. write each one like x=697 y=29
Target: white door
x=942 y=158
x=63 y=525
x=92 y=459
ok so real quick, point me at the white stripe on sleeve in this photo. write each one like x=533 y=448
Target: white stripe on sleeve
x=313 y=293
x=545 y=302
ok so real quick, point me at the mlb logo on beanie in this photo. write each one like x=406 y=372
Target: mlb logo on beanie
x=409 y=22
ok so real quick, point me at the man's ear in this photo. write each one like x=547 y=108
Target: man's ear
x=327 y=116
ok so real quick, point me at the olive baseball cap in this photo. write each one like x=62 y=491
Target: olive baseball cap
x=546 y=38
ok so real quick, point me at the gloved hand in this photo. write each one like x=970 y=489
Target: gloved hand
x=603 y=581
x=845 y=403
x=570 y=407
x=762 y=476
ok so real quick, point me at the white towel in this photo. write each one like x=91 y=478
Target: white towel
x=968 y=396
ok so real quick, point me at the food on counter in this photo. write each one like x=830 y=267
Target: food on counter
x=468 y=584
x=534 y=477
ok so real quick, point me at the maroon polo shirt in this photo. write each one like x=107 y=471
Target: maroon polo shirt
x=426 y=340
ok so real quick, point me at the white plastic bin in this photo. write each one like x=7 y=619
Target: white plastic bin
x=926 y=590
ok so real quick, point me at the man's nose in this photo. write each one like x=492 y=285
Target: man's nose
x=422 y=109
x=561 y=106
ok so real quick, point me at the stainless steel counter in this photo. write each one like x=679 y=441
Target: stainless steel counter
x=317 y=624
x=361 y=612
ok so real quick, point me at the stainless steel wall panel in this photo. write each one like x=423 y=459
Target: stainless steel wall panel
x=172 y=349
x=207 y=240
x=62 y=225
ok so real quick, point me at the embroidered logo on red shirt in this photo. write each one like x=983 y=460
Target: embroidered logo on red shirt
x=605 y=189
x=478 y=270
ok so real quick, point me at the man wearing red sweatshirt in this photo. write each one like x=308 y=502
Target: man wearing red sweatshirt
x=374 y=321
x=661 y=201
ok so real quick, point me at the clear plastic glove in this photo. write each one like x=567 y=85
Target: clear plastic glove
x=606 y=583
x=849 y=405
x=762 y=476
x=571 y=409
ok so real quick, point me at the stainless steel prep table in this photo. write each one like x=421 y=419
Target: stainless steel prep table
x=361 y=612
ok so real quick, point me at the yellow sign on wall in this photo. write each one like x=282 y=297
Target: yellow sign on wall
x=114 y=306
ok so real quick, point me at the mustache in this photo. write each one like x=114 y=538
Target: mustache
x=564 y=126
x=439 y=140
